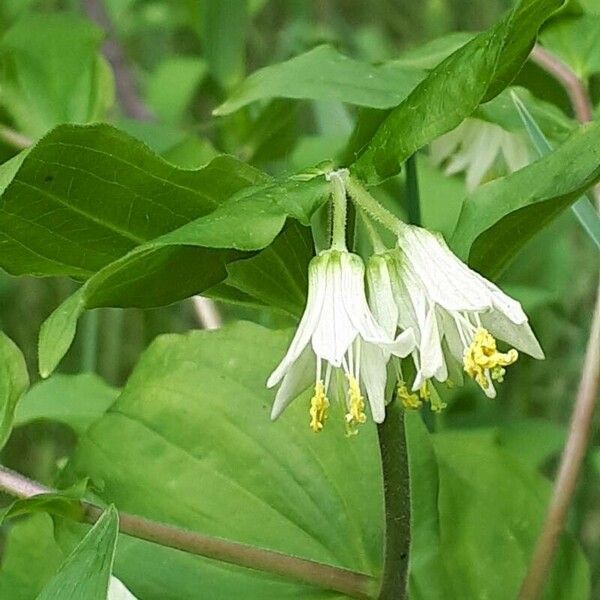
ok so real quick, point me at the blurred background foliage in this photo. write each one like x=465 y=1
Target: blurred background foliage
x=158 y=69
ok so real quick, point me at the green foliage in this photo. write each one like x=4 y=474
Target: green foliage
x=52 y=72
x=474 y=73
x=325 y=74
x=86 y=571
x=14 y=381
x=486 y=232
x=75 y=400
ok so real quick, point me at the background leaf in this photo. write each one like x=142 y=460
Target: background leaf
x=14 y=380
x=75 y=400
x=86 y=571
x=502 y=215
x=476 y=72
x=324 y=74
x=52 y=72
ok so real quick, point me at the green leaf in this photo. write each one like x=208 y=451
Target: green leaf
x=196 y=408
x=186 y=261
x=75 y=400
x=491 y=509
x=29 y=559
x=475 y=73
x=14 y=381
x=430 y=54
x=278 y=276
x=583 y=209
x=86 y=571
x=85 y=196
x=324 y=74
x=576 y=41
x=497 y=220
x=224 y=39
x=172 y=85
x=53 y=72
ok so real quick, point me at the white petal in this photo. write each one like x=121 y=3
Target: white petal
x=430 y=349
x=118 y=591
x=334 y=331
x=381 y=294
x=298 y=378
x=403 y=345
x=317 y=271
x=515 y=151
x=374 y=374
x=483 y=154
x=519 y=336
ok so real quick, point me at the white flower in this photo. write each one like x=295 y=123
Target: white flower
x=476 y=146
x=454 y=312
x=337 y=331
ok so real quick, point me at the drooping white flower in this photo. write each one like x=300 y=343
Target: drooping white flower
x=476 y=146
x=337 y=332
x=454 y=312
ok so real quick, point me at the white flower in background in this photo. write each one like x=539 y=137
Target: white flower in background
x=118 y=591
x=477 y=146
x=338 y=334
x=454 y=312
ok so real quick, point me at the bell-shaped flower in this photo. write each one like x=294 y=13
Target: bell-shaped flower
x=479 y=148
x=455 y=313
x=338 y=333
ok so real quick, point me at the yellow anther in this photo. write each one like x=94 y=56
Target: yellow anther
x=409 y=401
x=356 y=403
x=424 y=392
x=318 y=407
x=482 y=359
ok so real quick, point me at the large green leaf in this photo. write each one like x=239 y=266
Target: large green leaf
x=85 y=196
x=185 y=261
x=14 y=381
x=197 y=411
x=497 y=220
x=53 y=72
x=325 y=74
x=86 y=571
x=75 y=400
x=473 y=74
x=491 y=508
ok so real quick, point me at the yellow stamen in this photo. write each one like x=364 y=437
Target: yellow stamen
x=482 y=358
x=424 y=392
x=409 y=401
x=318 y=407
x=356 y=409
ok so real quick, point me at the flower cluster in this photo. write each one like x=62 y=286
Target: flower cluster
x=419 y=300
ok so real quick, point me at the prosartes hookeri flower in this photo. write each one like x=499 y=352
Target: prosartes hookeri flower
x=337 y=335
x=456 y=313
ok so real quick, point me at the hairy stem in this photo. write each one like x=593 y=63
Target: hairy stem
x=361 y=197
x=396 y=488
x=339 y=210
x=344 y=581
x=581 y=419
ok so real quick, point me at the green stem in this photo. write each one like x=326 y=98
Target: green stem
x=368 y=204
x=89 y=354
x=340 y=211
x=396 y=490
x=374 y=237
x=412 y=191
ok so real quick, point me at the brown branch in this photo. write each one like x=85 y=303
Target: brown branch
x=350 y=583
x=581 y=419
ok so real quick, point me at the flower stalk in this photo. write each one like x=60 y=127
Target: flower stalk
x=396 y=491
